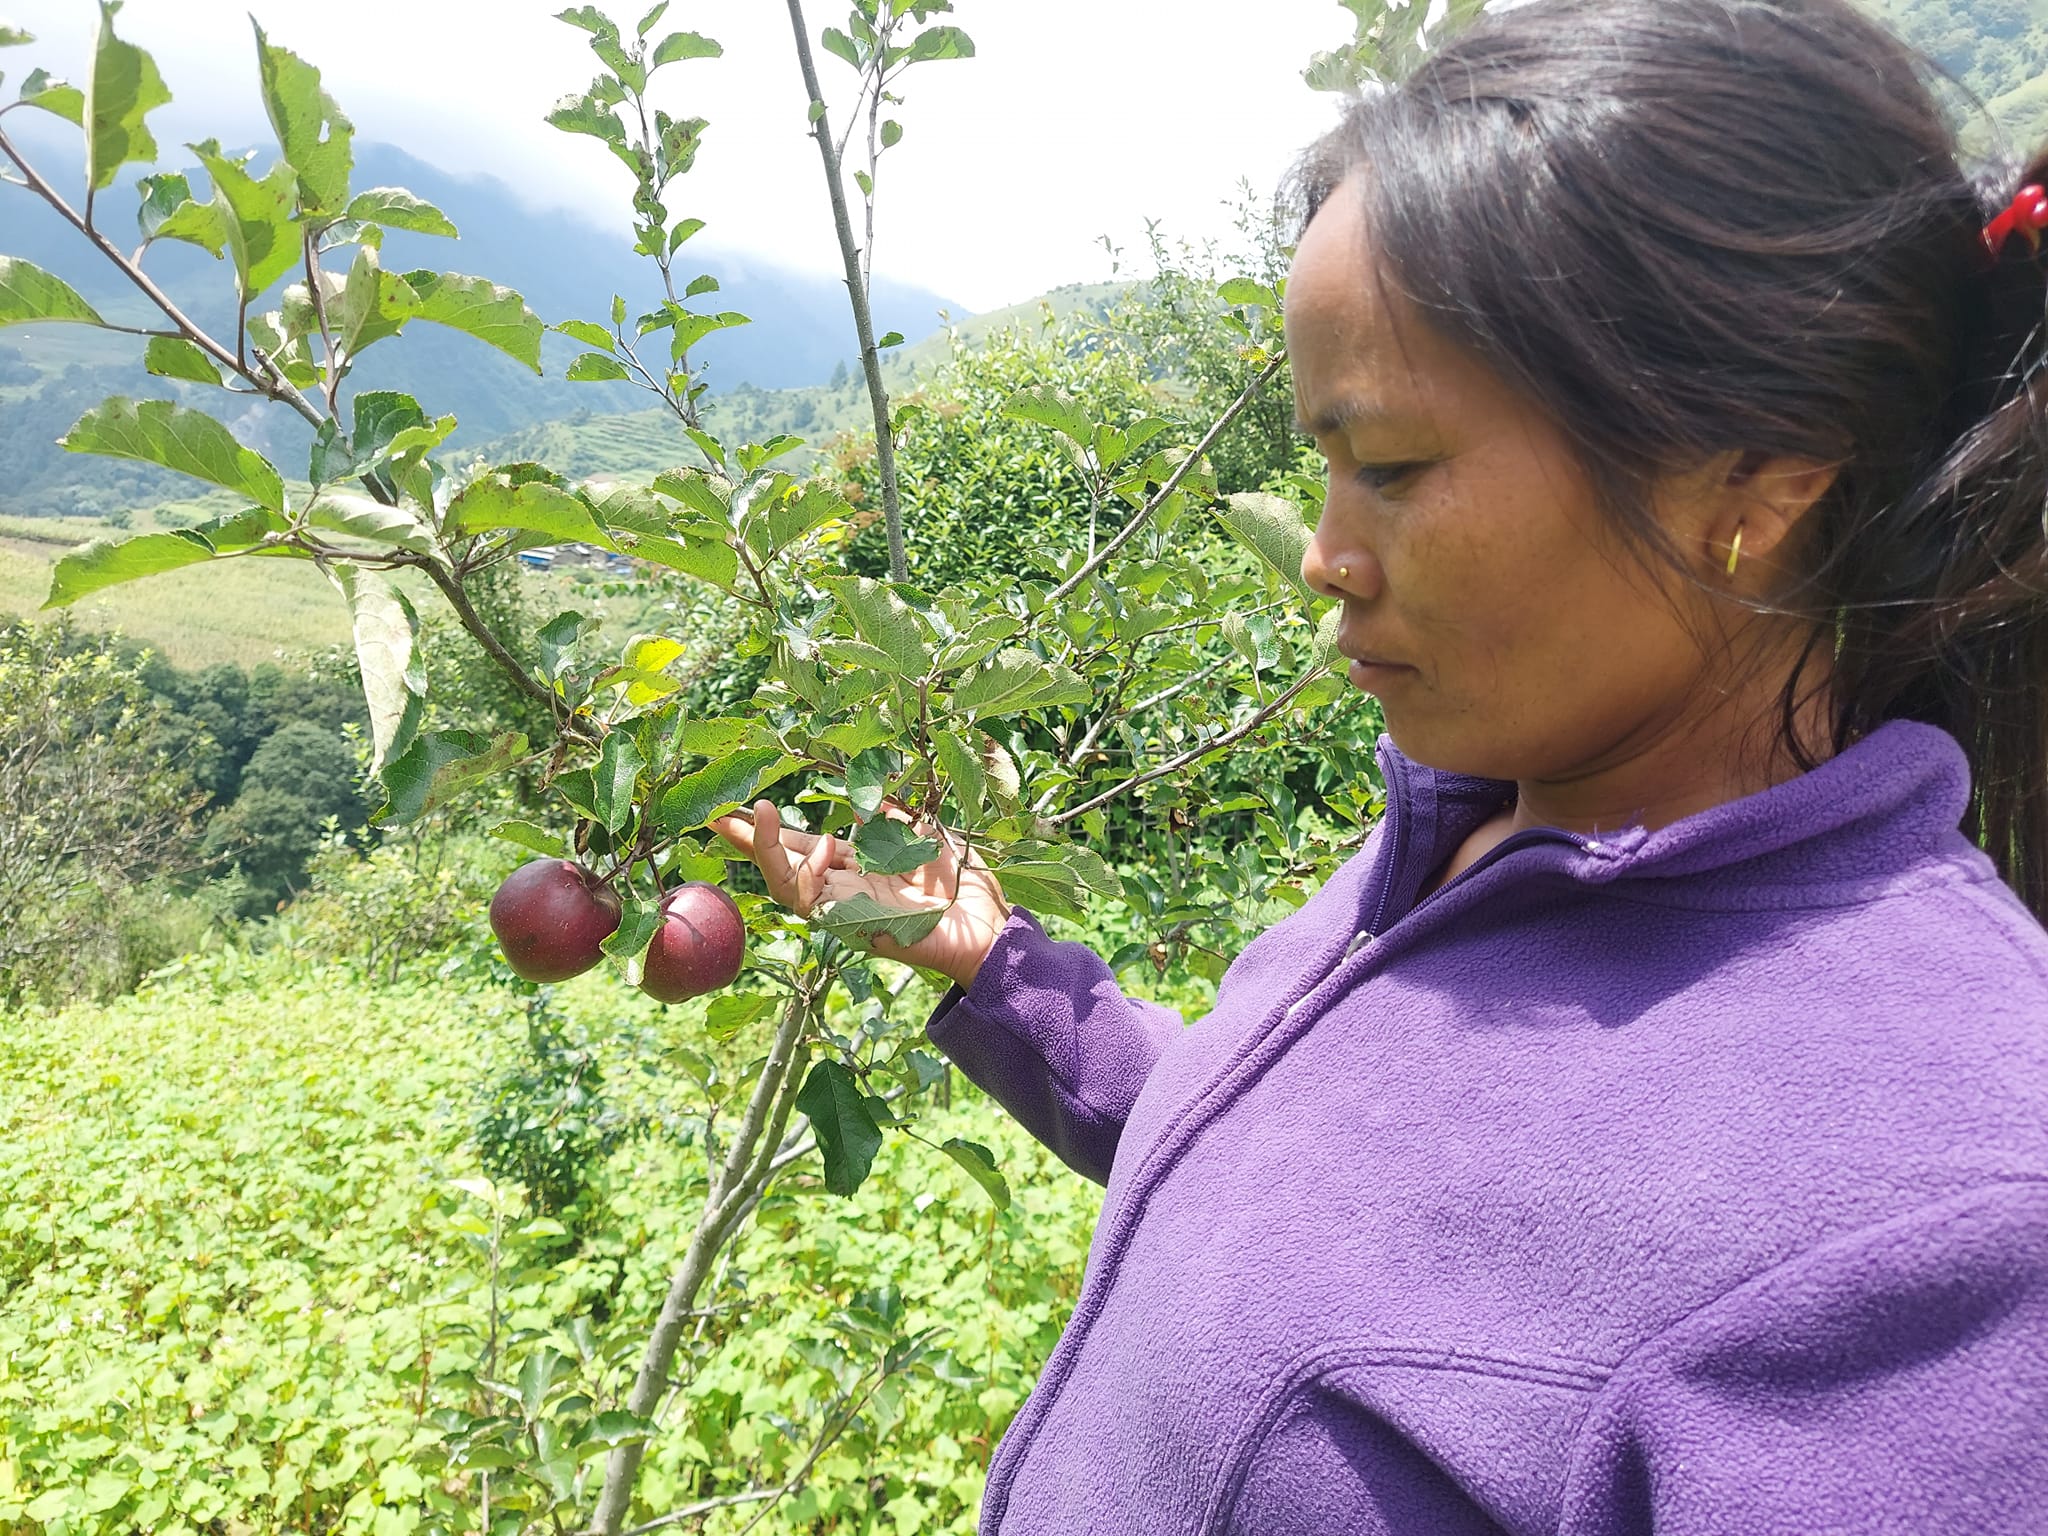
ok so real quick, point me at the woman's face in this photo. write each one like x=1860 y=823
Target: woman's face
x=1486 y=605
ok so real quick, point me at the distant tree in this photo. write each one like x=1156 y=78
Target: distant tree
x=302 y=776
x=92 y=804
x=839 y=376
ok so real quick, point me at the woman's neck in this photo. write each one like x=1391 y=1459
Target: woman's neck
x=1695 y=761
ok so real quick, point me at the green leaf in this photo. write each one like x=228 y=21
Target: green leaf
x=207 y=225
x=526 y=835
x=885 y=621
x=394 y=674
x=47 y=93
x=1052 y=878
x=654 y=14
x=494 y=501
x=372 y=305
x=612 y=1428
x=482 y=309
x=859 y=919
x=440 y=765
x=595 y=367
x=888 y=847
x=591 y=335
x=639 y=920
x=794 y=517
x=173 y=357
x=721 y=787
x=364 y=517
x=14 y=37
x=387 y=423
x=941 y=43
x=714 y=737
x=123 y=89
x=256 y=217
x=579 y=112
x=732 y=1012
x=1242 y=290
x=191 y=442
x=682 y=232
x=840 y=46
x=1015 y=681
x=961 y=765
x=161 y=195
x=678 y=46
x=590 y=19
x=27 y=293
x=396 y=208
x=109 y=562
x=1272 y=528
x=980 y=1164
x=311 y=130
x=892 y=133
x=865 y=182
x=847 y=1135
x=618 y=770
x=1054 y=408
x=867 y=780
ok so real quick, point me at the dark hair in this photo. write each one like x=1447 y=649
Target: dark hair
x=1694 y=226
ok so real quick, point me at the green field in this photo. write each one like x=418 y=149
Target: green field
x=239 y=1232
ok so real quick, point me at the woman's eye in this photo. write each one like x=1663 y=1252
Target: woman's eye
x=1384 y=477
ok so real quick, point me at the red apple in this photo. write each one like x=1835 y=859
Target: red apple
x=551 y=916
x=699 y=945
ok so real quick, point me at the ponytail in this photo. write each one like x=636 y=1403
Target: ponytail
x=1964 y=643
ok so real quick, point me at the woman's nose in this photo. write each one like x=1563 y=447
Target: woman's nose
x=1338 y=567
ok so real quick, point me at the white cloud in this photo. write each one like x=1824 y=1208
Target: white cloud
x=1078 y=118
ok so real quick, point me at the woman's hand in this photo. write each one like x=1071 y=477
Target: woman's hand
x=803 y=869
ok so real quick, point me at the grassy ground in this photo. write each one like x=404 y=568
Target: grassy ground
x=239 y=1287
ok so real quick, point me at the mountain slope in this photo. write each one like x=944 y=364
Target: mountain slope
x=565 y=269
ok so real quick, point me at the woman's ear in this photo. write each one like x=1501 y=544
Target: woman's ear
x=1763 y=497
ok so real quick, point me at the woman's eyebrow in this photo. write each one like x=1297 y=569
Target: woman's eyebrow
x=1344 y=415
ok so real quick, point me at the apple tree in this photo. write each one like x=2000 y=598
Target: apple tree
x=1013 y=707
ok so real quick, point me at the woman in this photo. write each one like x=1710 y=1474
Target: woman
x=1648 y=1130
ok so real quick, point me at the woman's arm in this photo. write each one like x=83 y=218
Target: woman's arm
x=1044 y=1029
x=1041 y=1026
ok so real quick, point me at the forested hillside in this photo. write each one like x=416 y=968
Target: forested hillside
x=1997 y=49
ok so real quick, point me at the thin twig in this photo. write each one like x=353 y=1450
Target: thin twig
x=857 y=293
x=704 y=1507
x=1192 y=755
x=1159 y=499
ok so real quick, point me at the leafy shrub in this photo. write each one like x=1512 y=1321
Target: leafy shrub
x=543 y=1123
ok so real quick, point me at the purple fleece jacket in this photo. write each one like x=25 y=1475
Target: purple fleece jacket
x=1691 y=1182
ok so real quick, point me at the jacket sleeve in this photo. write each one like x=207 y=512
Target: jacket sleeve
x=1046 y=1032
x=1892 y=1381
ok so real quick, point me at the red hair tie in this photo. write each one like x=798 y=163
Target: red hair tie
x=2026 y=214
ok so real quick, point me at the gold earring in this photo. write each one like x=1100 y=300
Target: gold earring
x=1735 y=551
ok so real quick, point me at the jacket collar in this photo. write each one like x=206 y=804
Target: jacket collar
x=1868 y=816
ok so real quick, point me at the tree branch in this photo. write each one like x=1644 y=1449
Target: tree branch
x=723 y=1202
x=1194 y=754
x=275 y=386
x=1145 y=514
x=471 y=620
x=857 y=292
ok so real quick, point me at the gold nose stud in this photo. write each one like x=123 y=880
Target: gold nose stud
x=1344 y=571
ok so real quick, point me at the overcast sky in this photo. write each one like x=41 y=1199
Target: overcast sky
x=1076 y=119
